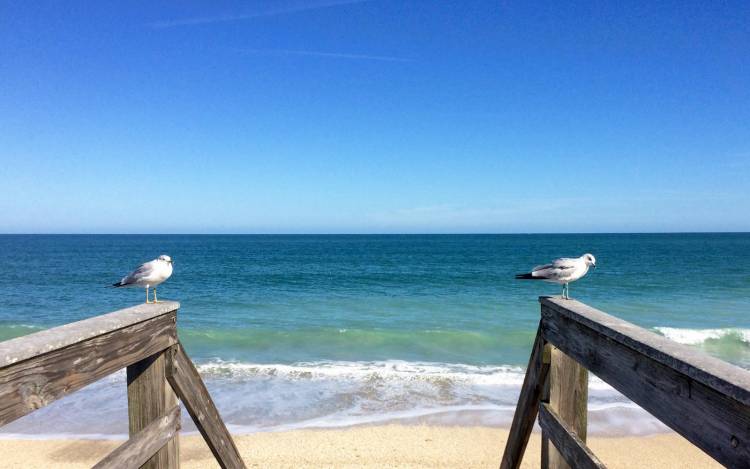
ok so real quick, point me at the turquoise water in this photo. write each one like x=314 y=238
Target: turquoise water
x=296 y=331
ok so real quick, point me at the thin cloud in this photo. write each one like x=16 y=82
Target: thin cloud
x=332 y=55
x=287 y=10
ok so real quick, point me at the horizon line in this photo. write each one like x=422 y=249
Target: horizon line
x=515 y=233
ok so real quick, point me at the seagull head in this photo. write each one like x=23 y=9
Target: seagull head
x=590 y=260
x=165 y=258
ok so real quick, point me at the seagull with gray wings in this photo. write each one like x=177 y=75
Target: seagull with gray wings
x=148 y=275
x=562 y=271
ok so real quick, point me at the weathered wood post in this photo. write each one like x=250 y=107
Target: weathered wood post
x=568 y=396
x=150 y=397
x=546 y=359
x=40 y=368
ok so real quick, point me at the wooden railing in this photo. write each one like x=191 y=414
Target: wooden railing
x=702 y=398
x=39 y=368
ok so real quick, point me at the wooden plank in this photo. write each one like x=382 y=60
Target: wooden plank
x=189 y=386
x=713 y=421
x=149 y=398
x=35 y=375
x=141 y=446
x=527 y=407
x=566 y=440
x=546 y=358
x=47 y=341
x=568 y=397
x=725 y=378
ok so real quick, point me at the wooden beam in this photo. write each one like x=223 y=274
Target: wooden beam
x=149 y=398
x=566 y=440
x=527 y=407
x=189 y=386
x=719 y=375
x=568 y=397
x=50 y=340
x=37 y=369
x=143 y=445
x=664 y=382
x=546 y=358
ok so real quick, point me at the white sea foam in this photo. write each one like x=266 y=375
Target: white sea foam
x=700 y=336
x=608 y=419
x=387 y=370
x=23 y=326
x=257 y=397
x=390 y=370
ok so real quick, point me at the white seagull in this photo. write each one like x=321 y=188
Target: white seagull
x=562 y=271
x=148 y=275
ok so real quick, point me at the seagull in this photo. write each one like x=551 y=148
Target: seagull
x=148 y=275
x=562 y=271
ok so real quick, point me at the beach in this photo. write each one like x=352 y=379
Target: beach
x=403 y=446
x=388 y=351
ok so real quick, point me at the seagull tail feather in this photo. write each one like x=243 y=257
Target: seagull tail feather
x=118 y=284
x=527 y=277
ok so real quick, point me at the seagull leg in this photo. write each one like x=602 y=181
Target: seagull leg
x=155 y=300
x=147 y=302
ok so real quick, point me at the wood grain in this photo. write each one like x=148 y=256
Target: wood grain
x=572 y=448
x=568 y=397
x=730 y=380
x=47 y=341
x=149 y=398
x=189 y=386
x=143 y=445
x=35 y=374
x=716 y=422
x=527 y=407
x=546 y=358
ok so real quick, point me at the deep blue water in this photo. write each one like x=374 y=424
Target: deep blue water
x=341 y=329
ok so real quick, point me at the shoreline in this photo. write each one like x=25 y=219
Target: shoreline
x=609 y=421
x=391 y=445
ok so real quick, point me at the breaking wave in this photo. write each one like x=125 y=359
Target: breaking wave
x=255 y=397
x=701 y=336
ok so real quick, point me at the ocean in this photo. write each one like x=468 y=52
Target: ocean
x=312 y=331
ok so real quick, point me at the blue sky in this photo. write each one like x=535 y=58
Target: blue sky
x=374 y=116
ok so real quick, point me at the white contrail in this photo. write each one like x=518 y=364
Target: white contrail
x=334 y=55
x=260 y=14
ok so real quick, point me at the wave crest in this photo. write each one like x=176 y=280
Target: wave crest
x=389 y=370
x=701 y=336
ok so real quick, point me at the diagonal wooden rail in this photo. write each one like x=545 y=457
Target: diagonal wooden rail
x=37 y=369
x=139 y=449
x=527 y=407
x=189 y=386
x=704 y=399
x=567 y=441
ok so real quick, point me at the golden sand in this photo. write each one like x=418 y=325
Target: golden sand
x=386 y=446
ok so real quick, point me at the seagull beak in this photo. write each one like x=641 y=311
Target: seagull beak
x=593 y=265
